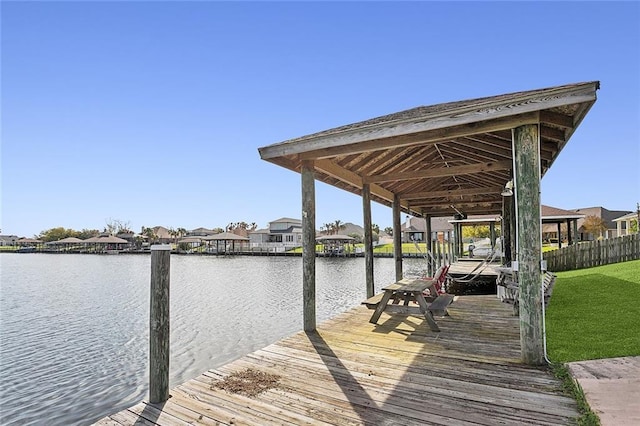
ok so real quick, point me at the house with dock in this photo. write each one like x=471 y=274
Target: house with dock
x=281 y=235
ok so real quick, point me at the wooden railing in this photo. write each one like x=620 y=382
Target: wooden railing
x=594 y=253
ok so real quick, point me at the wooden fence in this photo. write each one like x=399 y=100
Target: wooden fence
x=594 y=253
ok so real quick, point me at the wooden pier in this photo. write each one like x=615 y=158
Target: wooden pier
x=398 y=372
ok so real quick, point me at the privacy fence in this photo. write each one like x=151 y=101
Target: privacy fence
x=594 y=253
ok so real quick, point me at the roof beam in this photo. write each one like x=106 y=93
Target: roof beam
x=556 y=119
x=552 y=133
x=441 y=172
x=472 y=201
x=332 y=169
x=452 y=193
x=460 y=206
x=377 y=140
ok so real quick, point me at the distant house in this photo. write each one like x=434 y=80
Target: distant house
x=607 y=216
x=281 y=235
x=8 y=240
x=415 y=228
x=348 y=229
x=128 y=235
x=163 y=235
x=201 y=232
x=623 y=223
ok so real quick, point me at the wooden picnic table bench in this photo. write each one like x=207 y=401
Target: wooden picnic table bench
x=398 y=298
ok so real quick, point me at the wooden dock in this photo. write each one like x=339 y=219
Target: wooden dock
x=470 y=267
x=352 y=372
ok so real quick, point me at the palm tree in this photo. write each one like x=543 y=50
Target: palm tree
x=174 y=234
x=149 y=233
x=181 y=232
x=338 y=225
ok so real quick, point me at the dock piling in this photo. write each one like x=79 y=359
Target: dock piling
x=159 y=324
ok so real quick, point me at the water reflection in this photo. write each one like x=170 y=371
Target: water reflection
x=74 y=328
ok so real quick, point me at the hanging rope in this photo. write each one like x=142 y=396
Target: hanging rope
x=428 y=257
x=481 y=266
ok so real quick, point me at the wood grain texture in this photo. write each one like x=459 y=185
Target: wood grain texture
x=159 y=327
x=308 y=246
x=398 y=372
x=368 y=239
x=527 y=191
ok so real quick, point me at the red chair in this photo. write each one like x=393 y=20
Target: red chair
x=439 y=279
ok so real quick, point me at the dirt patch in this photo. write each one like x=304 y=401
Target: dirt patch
x=248 y=382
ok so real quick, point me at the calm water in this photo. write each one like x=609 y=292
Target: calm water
x=74 y=328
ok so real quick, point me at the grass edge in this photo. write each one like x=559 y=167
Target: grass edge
x=571 y=387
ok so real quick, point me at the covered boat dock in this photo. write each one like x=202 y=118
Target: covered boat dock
x=441 y=160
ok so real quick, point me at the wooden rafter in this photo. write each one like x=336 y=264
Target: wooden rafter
x=440 y=172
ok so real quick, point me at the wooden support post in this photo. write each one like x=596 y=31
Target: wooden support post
x=559 y=235
x=427 y=245
x=492 y=235
x=368 y=239
x=159 y=324
x=397 y=238
x=569 y=236
x=575 y=230
x=506 y=230
x=513 y=225
x=308 y=246
x=527 y=172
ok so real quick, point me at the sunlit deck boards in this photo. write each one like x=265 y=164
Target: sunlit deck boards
x=397 y=372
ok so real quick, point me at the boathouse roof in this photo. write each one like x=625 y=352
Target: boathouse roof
x=443 y=158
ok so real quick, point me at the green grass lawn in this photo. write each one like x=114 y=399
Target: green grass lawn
x=595 y=313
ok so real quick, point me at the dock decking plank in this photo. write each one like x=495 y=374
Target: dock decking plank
x=397 y=372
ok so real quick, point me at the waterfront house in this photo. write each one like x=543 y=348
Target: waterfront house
x=200 y=232
x=163 y=236
x=415 y=228
x=8 y=240
x=282 y=234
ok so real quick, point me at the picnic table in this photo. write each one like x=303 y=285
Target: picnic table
x=398 y=298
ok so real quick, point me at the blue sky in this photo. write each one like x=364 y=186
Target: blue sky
x=151 y=113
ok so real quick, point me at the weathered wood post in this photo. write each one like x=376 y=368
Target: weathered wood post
x=397 y=238
x=459 y=240
x=492 y=235
x=308 y=246
x=505 y=230
x=527 y=173
x=159 y=324
x=427 y=241
x=368 y=239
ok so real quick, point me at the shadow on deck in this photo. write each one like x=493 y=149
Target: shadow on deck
x=351 y=372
